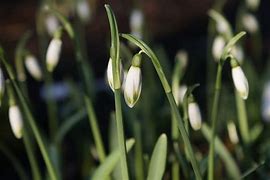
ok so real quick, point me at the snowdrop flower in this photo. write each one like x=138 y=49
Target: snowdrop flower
x=136 y=23
x=83 y=10
x=194 y=115
x=217 y=48
x=266 y=102
x=53 y=54
x=52 y=24
x=2 y=85
x=222 y=27
x=16 y=121
x=110 y=73
x=250 y=23
x=239 y=79
x=179 y=94
x=237 y=52
x=133 y=82
x=183 y=57
x=33 y=67
x=232 y=132
x=253 y=4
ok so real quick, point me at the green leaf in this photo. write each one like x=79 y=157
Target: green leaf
x=158 y=159
x=224 y=154
x=106 y=168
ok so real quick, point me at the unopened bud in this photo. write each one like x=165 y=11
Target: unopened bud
x=16 y=121
x=33 y=67
x=53 y=54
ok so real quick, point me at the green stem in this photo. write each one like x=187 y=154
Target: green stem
x=32 y=123
x=171 y=100
x=51 y=106
x=114 y=53
x=175 y=136
x=242 y=118
x=120 y=133
x=185 y=136
x=214 y=122
x=95 y=129
x=31 y=156
x=175 y=170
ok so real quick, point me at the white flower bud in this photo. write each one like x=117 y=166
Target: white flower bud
x=53 y=54
x=133 y=86
x=33 y=67
x=52 y=24
x=183 y=57
x=83 y=10
x=194 y=114
x=232 y=133
x=237 y=52
x=250 y=23
x=110 y=73
x=240 y=81
x=222 y=27
x=2 y=84
x=217 y=48
x=266 y=103
x=16 y=121
x=253 y=4
x=136 y=23
x=179 y=94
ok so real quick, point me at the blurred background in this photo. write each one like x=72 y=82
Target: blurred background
x=168 y=26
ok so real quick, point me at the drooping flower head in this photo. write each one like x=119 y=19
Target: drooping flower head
x=33 y=67
x=133 y=82
x=239 y=79
x=194 y=114
x=54 y=51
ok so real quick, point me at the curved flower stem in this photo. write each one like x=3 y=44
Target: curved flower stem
x=214 y=122
x=114 y=53
x=170 y=98
x=29 y=117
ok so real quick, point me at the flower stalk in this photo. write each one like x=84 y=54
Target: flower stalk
x=114 y=54
x=170 y=98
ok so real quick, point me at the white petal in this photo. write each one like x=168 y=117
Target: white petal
x=83 y=10
x=253 y=4
x=194 y=116
x=217 y=48
x=222 y=27
x=250 y=23
x=33 y=67
x=240 y=81
x=16 y=122
x=53 y=54
x=238 y=53
x=133 y=86
x=52 y=24
x=136 y=23
x=232 y=133
x=110 y=74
